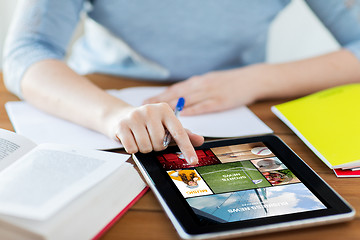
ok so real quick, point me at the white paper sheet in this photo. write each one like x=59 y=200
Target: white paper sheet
x=236 y=122
x=44 y=128
x=41 y=127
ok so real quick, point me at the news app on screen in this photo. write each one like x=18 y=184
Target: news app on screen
x=238 y=182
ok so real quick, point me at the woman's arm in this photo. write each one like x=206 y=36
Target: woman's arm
x=303 y=77
x=220 y=90
x=53 y=87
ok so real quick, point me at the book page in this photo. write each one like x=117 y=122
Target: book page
x=12 y=147
x=237 y=122
x=50 y=176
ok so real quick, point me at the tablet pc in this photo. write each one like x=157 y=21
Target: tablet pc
x=240 y=187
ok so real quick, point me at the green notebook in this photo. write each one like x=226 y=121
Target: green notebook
x=328 y=122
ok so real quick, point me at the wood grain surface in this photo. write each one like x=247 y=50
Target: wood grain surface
x=147 y=220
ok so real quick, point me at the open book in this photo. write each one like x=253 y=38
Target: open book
x=53 y=191
x=42 y=127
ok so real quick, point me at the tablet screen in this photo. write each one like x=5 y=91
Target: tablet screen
x=238 y=182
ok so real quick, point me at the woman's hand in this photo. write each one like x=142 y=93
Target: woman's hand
x=216 y=91
x=142 y=129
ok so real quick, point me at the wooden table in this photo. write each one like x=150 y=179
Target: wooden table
x=147 y=220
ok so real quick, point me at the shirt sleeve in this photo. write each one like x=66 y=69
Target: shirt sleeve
x=40 y=29
x=342 y=19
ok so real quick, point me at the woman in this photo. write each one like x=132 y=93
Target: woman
x=212 y=50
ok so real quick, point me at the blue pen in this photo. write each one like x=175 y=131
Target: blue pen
x=179 y=106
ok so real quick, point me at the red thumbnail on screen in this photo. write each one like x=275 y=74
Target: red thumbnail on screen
x=172 y=161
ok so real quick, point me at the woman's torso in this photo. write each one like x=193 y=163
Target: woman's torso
x=174 y=40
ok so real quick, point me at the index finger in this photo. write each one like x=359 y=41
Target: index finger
x=182 y=139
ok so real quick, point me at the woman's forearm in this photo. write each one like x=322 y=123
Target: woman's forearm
x=53 y=87
x=303 y=77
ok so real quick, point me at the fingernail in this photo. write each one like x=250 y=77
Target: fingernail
x=193 y=161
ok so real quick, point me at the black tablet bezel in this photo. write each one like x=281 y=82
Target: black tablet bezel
x=190 y=223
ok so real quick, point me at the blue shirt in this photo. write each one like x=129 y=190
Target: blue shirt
x=157 y=39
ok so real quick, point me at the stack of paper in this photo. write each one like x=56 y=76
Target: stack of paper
x=328 y=122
